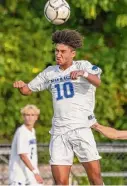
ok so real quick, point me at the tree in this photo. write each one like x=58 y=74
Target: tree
x=26 y=49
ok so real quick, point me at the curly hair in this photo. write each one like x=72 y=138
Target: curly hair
x=71 y=38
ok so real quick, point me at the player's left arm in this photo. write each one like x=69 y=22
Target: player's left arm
x=93 y=79
x=28 y=163
x=110 y=132
x=23 y=151
x=26 y=160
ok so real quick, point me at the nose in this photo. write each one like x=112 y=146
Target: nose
x=29 y=117
x=58 y=54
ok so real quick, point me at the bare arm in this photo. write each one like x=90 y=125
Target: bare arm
x=93 y=79
x=27 y=162
x=23 y=87
x=110 y=132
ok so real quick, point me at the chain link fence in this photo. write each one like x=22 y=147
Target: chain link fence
x=113 y=163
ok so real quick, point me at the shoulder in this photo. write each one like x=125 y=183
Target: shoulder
x=82 y=63
x=49 y=70
x=21 y=130
x=50 y=67
x=88 y=66
x=18 y=132
x=34 y=132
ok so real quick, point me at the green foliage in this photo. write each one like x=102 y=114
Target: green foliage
x=26 y=49
x=80 y=180
x=43 y=156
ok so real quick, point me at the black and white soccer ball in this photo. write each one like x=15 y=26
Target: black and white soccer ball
x=57 y=11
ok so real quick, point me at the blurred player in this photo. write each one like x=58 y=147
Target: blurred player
x=23 y=160
x=73 y=85
x=110 y=132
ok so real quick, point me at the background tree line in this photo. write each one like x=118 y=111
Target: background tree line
x=26 y=49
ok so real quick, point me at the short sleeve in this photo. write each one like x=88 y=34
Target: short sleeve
x=22 y=142
x=92 y=69
x=39 y=83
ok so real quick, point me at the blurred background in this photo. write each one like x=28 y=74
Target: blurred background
x=26 y=49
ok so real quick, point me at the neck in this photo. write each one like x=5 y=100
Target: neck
x=64 y=67
x=29 y=127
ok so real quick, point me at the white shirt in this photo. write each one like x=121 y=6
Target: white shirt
x=73 y=100
x=24 y=141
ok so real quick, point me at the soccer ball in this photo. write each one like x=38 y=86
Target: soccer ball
x=57 y=11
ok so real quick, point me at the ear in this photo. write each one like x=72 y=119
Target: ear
x=37 y=116
x=73 y=53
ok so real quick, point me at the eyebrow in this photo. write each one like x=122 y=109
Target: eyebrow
x=30 y=114
x=60 y=50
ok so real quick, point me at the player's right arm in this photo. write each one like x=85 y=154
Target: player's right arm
x=39 y=83
x=23 y=87
x=110 y=132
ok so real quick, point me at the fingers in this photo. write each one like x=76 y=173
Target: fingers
x=76 y=74
x=19 y=84
x=95 y=125
x=39 y=178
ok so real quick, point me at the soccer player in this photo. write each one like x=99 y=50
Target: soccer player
x=110 y=132
x=23 y=159
x=72 y=85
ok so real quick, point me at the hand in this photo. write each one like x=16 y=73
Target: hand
x=75 y=74
x=38 y=178
x=19 y=84
x=95 y=125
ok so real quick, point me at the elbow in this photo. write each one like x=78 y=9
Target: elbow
x=115 y=135
x=98 y=83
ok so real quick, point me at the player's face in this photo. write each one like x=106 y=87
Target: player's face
x=64 y=55
x=30 y=118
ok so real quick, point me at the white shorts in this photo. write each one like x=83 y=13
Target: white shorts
x=79 y=142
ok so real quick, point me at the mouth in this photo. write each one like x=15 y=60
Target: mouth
x=58 y=60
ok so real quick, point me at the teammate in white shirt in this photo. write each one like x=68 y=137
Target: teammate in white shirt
x=23 y=163
x=73 y=85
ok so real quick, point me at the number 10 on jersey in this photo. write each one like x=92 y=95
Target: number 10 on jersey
x=65 y=90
